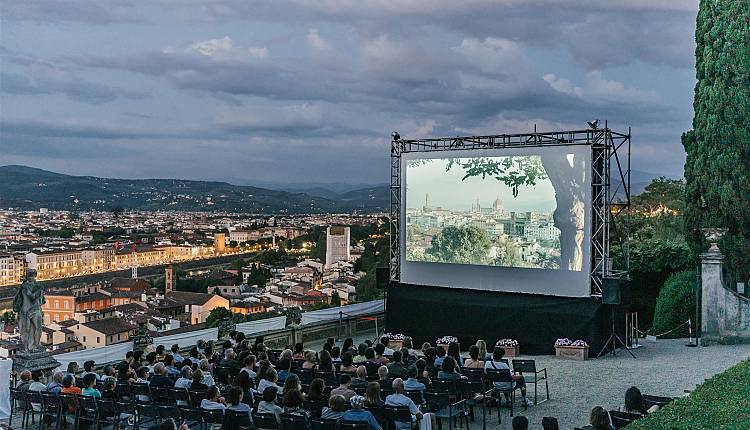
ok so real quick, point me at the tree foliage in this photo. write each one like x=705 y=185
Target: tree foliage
x=462 y=245
x=717 y=169
x=514 y=172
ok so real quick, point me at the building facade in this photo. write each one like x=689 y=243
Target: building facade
x=338 y=246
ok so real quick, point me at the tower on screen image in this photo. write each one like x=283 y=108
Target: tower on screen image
x=337 y=245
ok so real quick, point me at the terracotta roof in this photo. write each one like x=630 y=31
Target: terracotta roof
x=183 y=329
x=109 y=326
x=187 y=298
x=68 y=323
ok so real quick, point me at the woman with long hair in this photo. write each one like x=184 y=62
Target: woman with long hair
x=474 y=362
x=455 y=352
x=600 y=420
x=372 y=395
x=484 y=355
x=325 y=361
x=310 y=360
x=315 y=392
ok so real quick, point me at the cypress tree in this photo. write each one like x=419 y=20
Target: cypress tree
x=717 y=170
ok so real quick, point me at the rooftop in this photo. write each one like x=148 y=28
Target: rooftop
x=109 y=326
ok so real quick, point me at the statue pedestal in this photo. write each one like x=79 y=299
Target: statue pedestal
x=33 y=361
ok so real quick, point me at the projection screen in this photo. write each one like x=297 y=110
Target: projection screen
x=511 y=219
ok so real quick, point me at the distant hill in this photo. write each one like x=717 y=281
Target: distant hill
x=30 y=188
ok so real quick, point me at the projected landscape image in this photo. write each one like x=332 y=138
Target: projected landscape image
x=496 y=211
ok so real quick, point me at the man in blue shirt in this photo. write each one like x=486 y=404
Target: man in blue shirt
x=356 y=413
x=412 y=384
x=399 y=399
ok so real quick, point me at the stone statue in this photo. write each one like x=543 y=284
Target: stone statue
x=28 y=306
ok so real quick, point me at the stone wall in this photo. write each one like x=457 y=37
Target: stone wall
x=725 y=314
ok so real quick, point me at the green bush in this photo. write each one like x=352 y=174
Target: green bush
x=721 y=403
x=675 y=304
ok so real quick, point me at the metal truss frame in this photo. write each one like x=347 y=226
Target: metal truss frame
x=610 y=155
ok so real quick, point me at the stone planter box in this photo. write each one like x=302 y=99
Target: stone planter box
x=444 y=346
x=511 y=351
x=579 y=353
x=395 y=345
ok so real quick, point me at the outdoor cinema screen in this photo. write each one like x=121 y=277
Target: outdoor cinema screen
x=501 y=219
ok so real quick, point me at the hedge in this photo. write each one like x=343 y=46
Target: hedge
x=722 y=402
x=675 y=304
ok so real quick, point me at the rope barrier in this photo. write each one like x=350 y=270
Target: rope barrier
x=666 y=332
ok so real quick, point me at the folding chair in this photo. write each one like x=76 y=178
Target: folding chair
x=443 y=406
x=501 y=376
x=306 y=375
x=353 y=425
x=36 y=407
x=89 y=410
x=169 y=411
x=622 y=419
x=328 y=376
x=527 y=369
x=70 y=408
x=19 y=404
x=235 y=420
x=394 y=414
x=108 y=414
x=315 y=408
x=160 y=395
x=147 y=415
x=52 y=408
x=293 y=422
x=192 y=417
x=212 y=418
x=266 y=421
x=321 y=424
x=141 y=392
x=196 y=397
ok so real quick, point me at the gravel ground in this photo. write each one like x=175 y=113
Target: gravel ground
x=665 y=368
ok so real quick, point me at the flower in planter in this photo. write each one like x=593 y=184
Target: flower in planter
x=507 y=342
x=446 y=340
x=567 y=342
x=395 y=336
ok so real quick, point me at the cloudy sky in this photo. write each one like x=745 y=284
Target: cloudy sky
x=309 y=90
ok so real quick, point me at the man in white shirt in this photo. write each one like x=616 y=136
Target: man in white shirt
x=185 y=379
x=214 y=400
x=497 y=364
x=399 y=399
x=387 y=351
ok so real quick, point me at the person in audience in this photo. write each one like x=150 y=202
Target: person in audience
x=385 y=341
x=142 y=375
x=267 y=405
x=372 y=396
x=347 y=364
x=269 y=380
x=310 y=360
x=412 y=384
x=422 y=373
x=634 y=403
x=69 y=385
x=361 y=378
x=439 y=356
x=474 y=362
x=520 y=422
x=330 y=342
x=89 y=367
x=24 y=380
x=230 y=362
x=335 y=409
x=484 y=355
x=248 y=388
x=72 y=368
x=36 y=383
x=336 y=354
x=151 y=361
x=135 y=363
x=425 y=347
x=326 y=362
x=197 y=384
x=343 y=388
x=406 y=356
x=263 y=367
x=185 y=379
x=160 y=352
x=449 y=370
x=408 y=343
x=380 y=354
x=399 y=399
x=249 y=366
x=370 y=358
x=125 y=373
x=315 y=392
x=55 y=385
x=600 y=420
x=194 y=356
x=108 y=388
x=292 y=383
x=234 y=401
x=518 y=382
x=383 y=378
x=348 y=346
x=283 y=368
x=360 y=356
x=213 y=400
x=293 y=402
x=161 y=378
x=286 y=353
x=396 y=368
x=178 y=359
x=108 y=371
x=358 y=414
x=455 y=352
x=169 y=364
x=89 y=386
x=299 y=351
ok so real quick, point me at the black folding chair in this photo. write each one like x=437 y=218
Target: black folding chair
x=70 y=408
x=147 y=415
x=108 y=414
x=122 y=389
x=660 y=401
x=315 y=408
x=169 y=411
x=353 y=425
x=527 y=369
x=415 y=396
x=196 y=397
x=321 y=424
x=469 y=391
x=236 y=420
x=179 y=396
x=192 y=417
x=36 y=407
x=212 y=417
x=444 y=407
x=52 y=408
x=266 y=421
x=89 y=410
x=394 y=414
x=160 y=395
x=622 y=419
x=19 y=404
x=473 y=374
x=293 y=422
x=141 y=392
x=328 y=376
x=306 y=375
x=501 y=376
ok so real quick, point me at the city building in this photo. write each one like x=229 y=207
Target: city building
x=197 y=305
x=337 y=244
x=11 y=269
x=102 y=332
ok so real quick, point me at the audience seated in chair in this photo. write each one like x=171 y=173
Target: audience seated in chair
x=213 y=400
x=634 y=403
x=396 y=368
x=343 y=388
x=496 y=363
x=335 y=409
x=599 y=419
x=474 y=362
x=358 y=414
